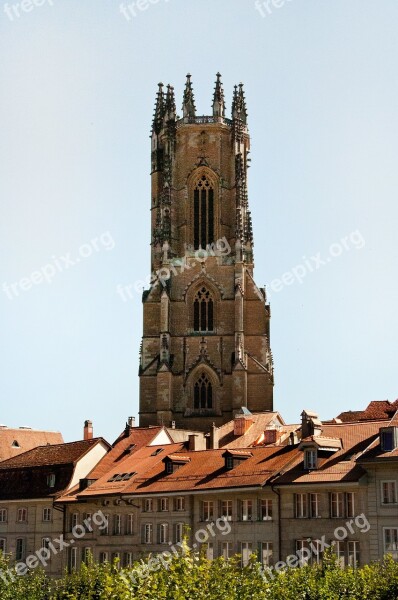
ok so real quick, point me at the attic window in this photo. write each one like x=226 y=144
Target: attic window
x=157 y=451
x=389 y=438
x=310 y=458
x=174 y=462
x=15 y=444
x=233 y=458
x=51 y=480
x=122 y=476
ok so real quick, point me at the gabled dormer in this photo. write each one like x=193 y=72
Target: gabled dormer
x=389 y=438
x=173 y=462
x=233 y=458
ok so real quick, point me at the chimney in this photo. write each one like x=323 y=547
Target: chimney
x=88 y=430
x=192 y=442
x=310 y=424
x=131 y=421
x=214 y=437
x=270 y=436
x=241 y=425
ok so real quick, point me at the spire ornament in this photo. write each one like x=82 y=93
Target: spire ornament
x=188 y=106
x=218 y=99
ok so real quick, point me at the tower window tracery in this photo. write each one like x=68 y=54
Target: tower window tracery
x=203 y=311
x=203 y=213
x=203 y=393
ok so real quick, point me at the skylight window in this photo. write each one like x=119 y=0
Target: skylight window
x=157 y=451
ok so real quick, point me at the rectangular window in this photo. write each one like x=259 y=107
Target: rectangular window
x=3 y=515
x=353 y=554
x=128 y=559
x=313 y=500
x=116 y=559
x=47 y=514
x=87 y=521
x=22 y=515
x=350 y=504
x=266 y=554
x=103 y=557
x=207 y=510
x=179 y=503
x=209 y=550
x=305 y=558
x=72 y=559
x=146 y=533
x=148 y=505
x=51 y=480
x=301 y=506
x=337 y=505
x=246 y=510
x=178 y=532
x=3 y=545
x=265 y=509
x=86 y=553
x=391 y=541
x=389 y=492
x=246 y=550
x=45 y=542
x=74 y=520
x=130 y=524
x=226 y=510
x=163 y=533
x=105 y=528
x=226 y=550
x=20 y=549
x=339 y=549
x=117 y=524
x=163 y=504
x=310 y=459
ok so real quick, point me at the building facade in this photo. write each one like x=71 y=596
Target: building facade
x=206 y=325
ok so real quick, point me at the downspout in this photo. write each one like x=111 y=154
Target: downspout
x=279 y=523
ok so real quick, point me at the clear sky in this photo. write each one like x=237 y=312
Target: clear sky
x=78 y=80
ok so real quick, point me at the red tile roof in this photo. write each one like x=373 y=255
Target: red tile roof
x=17 y=441
x=377 y=409
x=52 y=455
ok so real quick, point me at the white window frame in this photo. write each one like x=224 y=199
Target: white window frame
x=353 y=553
x=265 y=509
x=3 y=515
x=128 y=559
x=301 y=505
x=266 y=554
x=3 y=545
x=179 y=503
x=393 y=541
x=74 y=520
x=147 y=537
x=103 y=557
x=130 y=524
x=391 y=489
x=163 y=504
x=349 y=505
x=178 y=532
x=246 y=550
x=340 y=550
x=207 y=510
x=310 y=459
x=313 y=505
x=226 y=509
x=246 y=509
x=86 y=552
x=117 y=524
x=47 y=515
x=51 y=480
x=337 y=505
x=148 y=505
x=22 y=515
x=163 y=533
x=226 y=550
x=73 y=559
x=20 y=551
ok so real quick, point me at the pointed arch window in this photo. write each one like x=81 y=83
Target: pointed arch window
x=203 y=311
x=203 y=393
x=203 y=213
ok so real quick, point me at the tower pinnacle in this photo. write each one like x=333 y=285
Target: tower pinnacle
x=188 y=107
x=218 y=99
x=159 y=109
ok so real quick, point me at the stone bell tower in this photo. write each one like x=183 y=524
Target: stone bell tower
x=205 y=350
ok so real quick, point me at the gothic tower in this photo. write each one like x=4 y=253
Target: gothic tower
x=205 y=352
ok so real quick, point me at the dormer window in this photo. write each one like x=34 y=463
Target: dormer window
x=15 y=444
x=175 y=462
x=389 y=438
x=233 y=458
x=51 y=480
x=310 y=458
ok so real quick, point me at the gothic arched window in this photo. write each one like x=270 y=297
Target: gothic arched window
x=203 y=213
x=203 y=310
x=203 y=393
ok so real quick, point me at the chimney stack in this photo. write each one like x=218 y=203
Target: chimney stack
x=88 y=430
x=214 y=437
x=131 y=421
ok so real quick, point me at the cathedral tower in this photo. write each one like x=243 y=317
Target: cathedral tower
x=205 y=351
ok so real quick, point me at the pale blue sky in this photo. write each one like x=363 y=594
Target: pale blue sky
x=78 y=83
